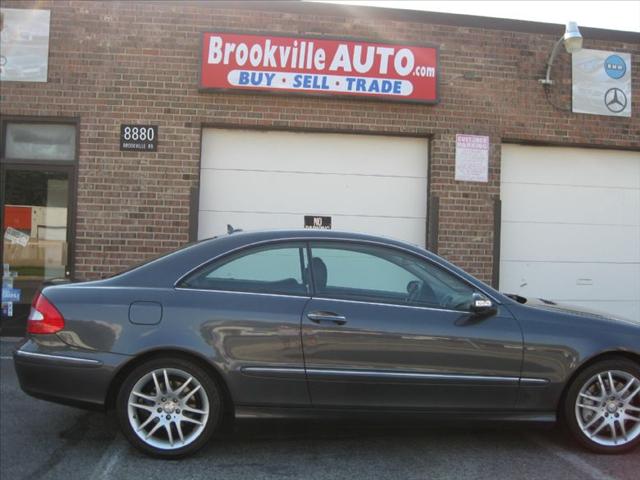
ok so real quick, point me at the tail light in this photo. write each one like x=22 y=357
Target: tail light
x=44 y=317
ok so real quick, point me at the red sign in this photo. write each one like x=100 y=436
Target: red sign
x=17 y=217
x=319 y=66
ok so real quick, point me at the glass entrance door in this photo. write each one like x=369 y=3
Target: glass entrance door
x=35 y=245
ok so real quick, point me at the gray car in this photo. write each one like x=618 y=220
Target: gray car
x=323 y=324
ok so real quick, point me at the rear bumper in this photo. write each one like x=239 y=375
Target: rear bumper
x=65 y=375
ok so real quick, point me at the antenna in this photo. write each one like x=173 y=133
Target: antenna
x=231 y=230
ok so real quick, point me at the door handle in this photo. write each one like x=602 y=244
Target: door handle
x=327 y=317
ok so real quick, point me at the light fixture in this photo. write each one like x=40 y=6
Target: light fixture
x=572 y=43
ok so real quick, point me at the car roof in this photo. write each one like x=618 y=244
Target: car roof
x=245 y=237
x=166 y=270
x=183 y=260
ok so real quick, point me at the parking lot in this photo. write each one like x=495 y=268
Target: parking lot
x=40 y=440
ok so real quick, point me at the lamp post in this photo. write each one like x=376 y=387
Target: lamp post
x=572 y=43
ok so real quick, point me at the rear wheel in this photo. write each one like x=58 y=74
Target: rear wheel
x=602 y=406
x=169 y=407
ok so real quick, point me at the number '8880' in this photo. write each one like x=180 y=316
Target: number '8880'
x=139 y=133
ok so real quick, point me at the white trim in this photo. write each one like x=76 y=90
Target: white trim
x=533 y=381
x=393 y=305
x=308 y=297
x=410 y=375
x=46 y=356
x=243 y=293
x=294 y=370
x=386 y=374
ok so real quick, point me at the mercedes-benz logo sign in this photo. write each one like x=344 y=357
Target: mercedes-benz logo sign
x=615 y=100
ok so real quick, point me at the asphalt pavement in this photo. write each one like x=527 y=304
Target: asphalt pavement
x=41 y=440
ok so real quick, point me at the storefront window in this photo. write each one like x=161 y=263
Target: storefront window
x=35 y=214
x=40 y=141
x=35 y=235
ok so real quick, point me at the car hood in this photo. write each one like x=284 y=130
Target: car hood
x=551 y=306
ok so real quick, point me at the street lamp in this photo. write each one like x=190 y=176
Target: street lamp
x=572 y=43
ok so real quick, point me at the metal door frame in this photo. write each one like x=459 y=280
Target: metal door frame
x=70 y=167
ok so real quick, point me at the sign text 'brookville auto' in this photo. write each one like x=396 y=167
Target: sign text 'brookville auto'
x=319 y=66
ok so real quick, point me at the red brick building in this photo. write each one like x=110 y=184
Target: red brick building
x=138 y=63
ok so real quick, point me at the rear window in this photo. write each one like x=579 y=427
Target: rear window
x=277 y=269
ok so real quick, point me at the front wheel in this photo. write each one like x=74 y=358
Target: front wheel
x=602 y=406
x=169 y=407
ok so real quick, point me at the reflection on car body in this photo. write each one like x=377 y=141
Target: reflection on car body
x=323 y=323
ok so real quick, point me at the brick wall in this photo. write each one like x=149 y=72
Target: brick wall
x=137 y=62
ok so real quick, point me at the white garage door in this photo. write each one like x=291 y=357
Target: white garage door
x=258 y=180
x=571 y=226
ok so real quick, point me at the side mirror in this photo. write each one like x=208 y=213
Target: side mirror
x=481 y=305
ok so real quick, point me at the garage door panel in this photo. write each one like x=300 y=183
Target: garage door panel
x=281 y=192
x=570 y=226
x=570 y=282
x=272 y=179
x=214 y=222
x=564 y=243
x=570 y=166
x=311 y=152
x=570 y=204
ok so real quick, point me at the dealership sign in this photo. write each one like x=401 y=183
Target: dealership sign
x=319 y=66
x=601 y=83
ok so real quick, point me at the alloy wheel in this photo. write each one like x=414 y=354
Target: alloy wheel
x=607 y=408
x=168 y=408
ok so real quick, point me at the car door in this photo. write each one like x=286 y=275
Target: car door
x=386 y=328
x=247 y=307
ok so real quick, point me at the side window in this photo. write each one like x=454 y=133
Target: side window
x=270 y=269
x=380 y=274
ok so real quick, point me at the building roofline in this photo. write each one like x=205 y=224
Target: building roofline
x=419 y=16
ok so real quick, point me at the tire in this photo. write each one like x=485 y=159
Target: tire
x=170 y=423
x=599 y=418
